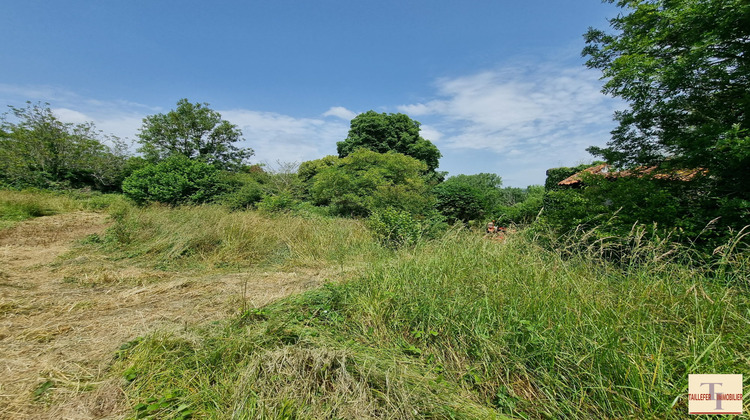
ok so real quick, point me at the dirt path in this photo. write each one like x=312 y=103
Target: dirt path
x=61 y=322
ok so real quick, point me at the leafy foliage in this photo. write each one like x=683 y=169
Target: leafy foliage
x=281 y=202
x=555 y=175
x=307 y=171
x=39 y=150
x=244 y=191
x=459 y=201
x=194 y=131
x=365 y=180
x=395 y=228
x=682 y=65
x=523 y=205
x=389 y=132
x=175 y=180
x=617 y=206
x=470 y=197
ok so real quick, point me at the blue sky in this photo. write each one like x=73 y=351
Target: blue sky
x=499 y=86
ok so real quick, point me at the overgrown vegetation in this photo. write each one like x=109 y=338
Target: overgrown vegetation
x=607 y=296
x=210 y=236
x=16 y=206
x=175 y=180
x=37 y=150
x=457 y=327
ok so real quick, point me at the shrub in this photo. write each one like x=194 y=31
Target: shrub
x=395 y=228
x=523 y=212
x=175 y=180
x=365 y=181
x=244 y=191
x=459 y=201
x=281 y=202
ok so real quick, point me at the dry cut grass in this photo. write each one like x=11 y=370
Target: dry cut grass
x=70 y=296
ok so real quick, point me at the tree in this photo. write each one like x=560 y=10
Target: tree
x=39 y=150
x=389 y=133
x=365 y=181
x=684 y=68
x=194 y=131
x=308 y=169
x=459 y=201
x=470 y=197
x=522 y=206
x=175 y=180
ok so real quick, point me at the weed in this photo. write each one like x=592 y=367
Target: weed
x=42 y=389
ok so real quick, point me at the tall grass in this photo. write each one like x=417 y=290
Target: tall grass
x=542 y=335
x=211 y=236
x=16 y=206
x=459 y=327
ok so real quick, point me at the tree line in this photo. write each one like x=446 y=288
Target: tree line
x=681 y=66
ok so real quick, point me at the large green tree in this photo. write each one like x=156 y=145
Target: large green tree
x=382 y=132
x=39 y=150
x=195 y=131
x=683 y=66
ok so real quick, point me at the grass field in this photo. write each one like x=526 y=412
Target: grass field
x=16 y=206
x=456 y=327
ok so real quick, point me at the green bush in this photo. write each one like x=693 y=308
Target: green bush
x=395 y=228
x=365 y=181
x=459 y=201
x=244 y=191
x=282 y=202
x=523 y=212
x=245 y=197
x=175 y=180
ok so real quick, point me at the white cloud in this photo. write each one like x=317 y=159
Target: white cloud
x=340 y=112
x=516 y=120
x=273 y=136
x=517 y=107
x=70 y=116
x=285 y=138
x=430 y=133
x=35 y=92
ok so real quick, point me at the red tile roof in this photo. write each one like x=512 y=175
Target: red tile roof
x=606 y=171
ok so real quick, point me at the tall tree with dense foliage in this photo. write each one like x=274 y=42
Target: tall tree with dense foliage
x=683 y=66
x=389 y=133
x=195 y=131
x=39 y=150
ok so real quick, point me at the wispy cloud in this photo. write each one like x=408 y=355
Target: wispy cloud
x=516 y=107
x=282 y=137
x=272 y=136
x=531 y=117
x=340 y=112
x=35 y=93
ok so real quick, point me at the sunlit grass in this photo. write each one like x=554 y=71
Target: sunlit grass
x=458 y=327
x=16 y=206
x=211 y=236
